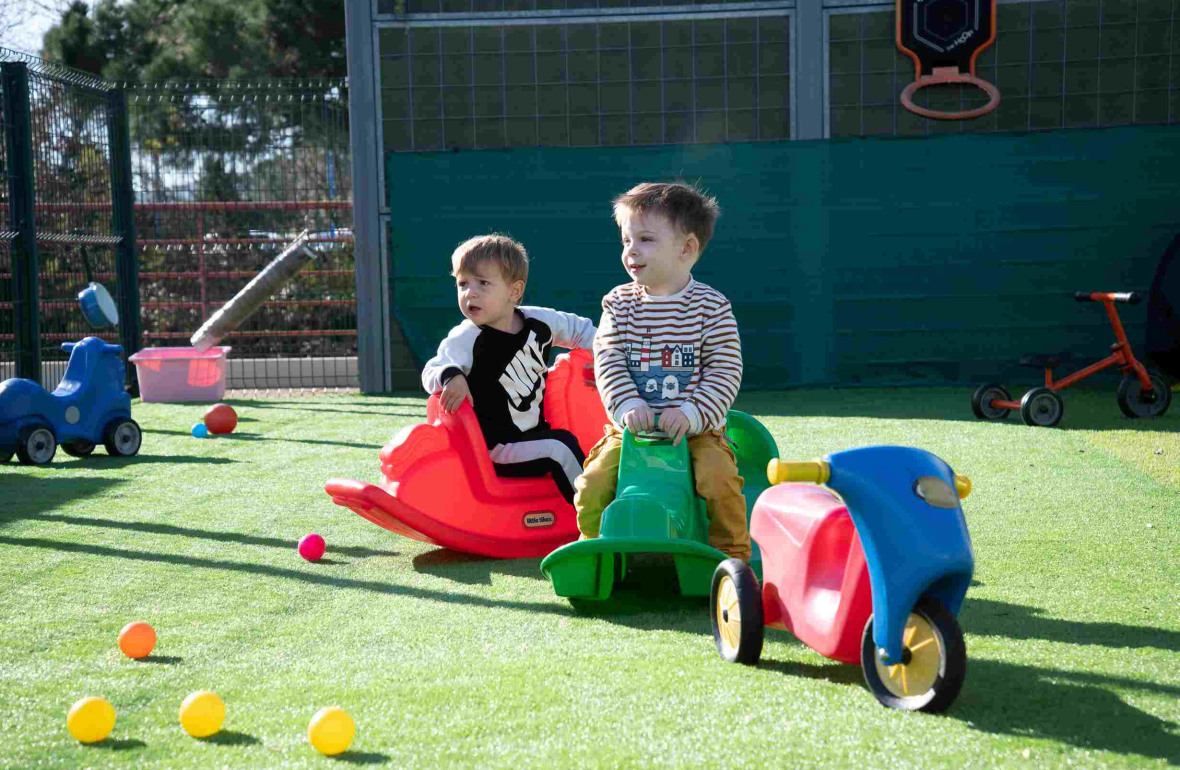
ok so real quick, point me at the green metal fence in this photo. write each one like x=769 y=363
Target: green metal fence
x=69 y=205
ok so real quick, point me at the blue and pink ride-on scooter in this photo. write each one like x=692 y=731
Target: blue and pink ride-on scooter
x=88 y=407
x=871 y=568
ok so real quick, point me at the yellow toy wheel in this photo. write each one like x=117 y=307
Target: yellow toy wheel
x=934 y=666
x=735 y=602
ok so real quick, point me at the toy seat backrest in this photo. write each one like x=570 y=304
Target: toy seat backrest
x=571 y=398
x=467 y=441
x=92 y=363
x=753 y=447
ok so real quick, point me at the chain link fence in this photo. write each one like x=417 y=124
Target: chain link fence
x=226 y=174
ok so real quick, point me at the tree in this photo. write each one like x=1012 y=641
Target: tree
x=152 y=40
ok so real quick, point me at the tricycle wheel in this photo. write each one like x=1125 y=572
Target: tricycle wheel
x=1130 y=396
x=936 y=661
x=122 y=437
x=735 y=602
x=981 y=401
x=77 y=448
x=1041 y=406
x=36 y=445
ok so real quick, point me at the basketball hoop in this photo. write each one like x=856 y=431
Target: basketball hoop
x=944 y=38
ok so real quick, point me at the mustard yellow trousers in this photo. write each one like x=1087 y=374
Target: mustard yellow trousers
x=717 y=481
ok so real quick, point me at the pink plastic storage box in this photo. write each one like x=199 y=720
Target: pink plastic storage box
x=181 y=374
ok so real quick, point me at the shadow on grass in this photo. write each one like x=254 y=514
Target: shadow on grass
x=313 y=578
x=163 y=660
x=203 y=534
x=237 y=436
x=1077 y=708
x=25 y=496
x=362 y=757
x=231 y=738
x=111 y=744
x=1087 y=408
x=470 y=569
x=1017 y=621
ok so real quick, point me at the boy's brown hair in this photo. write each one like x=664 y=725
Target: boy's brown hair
x=687 y=207
x=506 y=254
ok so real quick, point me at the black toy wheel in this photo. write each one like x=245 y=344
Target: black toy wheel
x=1131 y=396
x=981 y=401
x=122 y=437
x=77 y=448
x=36 y=444
x=936 y=661
x=1041 y=406
x=735 y=605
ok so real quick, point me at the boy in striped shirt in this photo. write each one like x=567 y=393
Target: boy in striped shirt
x=667 y=356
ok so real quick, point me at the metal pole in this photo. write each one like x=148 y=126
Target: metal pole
x=22 y=216
x=373 y=316
x=123 y=225
x=201 y=265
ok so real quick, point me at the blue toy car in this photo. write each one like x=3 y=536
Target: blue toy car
x=88 y=407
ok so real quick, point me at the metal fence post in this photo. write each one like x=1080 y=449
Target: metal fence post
x=123 y=225
x=22 y=216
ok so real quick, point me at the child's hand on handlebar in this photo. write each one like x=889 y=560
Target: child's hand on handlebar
x=641 y=419
x=454 y=392
x=675 y=423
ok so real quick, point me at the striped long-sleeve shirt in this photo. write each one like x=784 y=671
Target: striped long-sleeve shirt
x=678 y=351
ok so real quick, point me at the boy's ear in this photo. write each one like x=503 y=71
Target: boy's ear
x=692 y=246
x=517 y=291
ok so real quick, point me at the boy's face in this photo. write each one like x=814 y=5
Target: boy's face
x=486 y=298
x=655 y=254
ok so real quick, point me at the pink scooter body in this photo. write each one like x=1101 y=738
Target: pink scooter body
x=815 y=581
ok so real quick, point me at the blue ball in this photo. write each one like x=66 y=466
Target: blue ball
x=200 y=431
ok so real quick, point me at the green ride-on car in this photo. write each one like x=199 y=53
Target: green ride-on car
x=658 y=511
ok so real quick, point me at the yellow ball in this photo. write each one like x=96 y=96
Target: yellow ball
x=331 y=730
x=90 y=720
x=202 y=714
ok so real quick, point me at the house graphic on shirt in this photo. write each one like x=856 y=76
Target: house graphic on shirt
x=678 y=357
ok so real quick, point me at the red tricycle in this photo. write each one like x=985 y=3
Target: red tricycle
x=1142 y=392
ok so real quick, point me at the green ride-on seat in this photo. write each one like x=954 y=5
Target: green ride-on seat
x=657 y=510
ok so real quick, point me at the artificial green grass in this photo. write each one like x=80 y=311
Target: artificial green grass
x=1072 y=628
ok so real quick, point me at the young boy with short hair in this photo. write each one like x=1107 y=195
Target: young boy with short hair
x=496 y=359
x=668 y=356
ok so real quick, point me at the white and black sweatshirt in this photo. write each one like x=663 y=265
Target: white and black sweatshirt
x=506 y=372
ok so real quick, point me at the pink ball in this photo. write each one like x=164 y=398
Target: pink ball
x=311 y=547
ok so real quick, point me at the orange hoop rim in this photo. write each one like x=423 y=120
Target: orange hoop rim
x=942 y=75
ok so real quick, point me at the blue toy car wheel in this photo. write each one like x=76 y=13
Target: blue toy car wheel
x=77 y=448
x=36 y=444
x=122 y=437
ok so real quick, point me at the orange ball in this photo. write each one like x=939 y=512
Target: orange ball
x=221 y=418
x=137 y=640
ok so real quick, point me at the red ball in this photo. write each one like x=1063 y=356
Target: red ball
x=311 y=547
x=221 y=418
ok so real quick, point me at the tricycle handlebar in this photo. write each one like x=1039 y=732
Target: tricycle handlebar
x=814 y=471
x=1130 y=297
